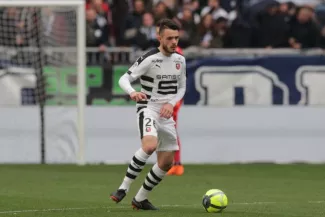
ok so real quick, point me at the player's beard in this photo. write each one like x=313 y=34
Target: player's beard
x=167 y=49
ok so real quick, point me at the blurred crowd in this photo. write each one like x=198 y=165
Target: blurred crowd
x=204 y=23
x=208 y=23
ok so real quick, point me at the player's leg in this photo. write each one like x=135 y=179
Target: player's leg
x=178 y=168
x=148 y=134
x=153 y=178
x=177 y=157
x=167 y=146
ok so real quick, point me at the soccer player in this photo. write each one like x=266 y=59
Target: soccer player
x=163 y=83
x=177 y=168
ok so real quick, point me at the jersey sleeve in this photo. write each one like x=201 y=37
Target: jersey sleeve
x=140 y=67
x=182 y=86
x=125 y=83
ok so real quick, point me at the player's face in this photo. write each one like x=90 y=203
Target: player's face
x=169 y=40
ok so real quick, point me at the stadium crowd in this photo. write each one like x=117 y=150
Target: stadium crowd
x=208 y=23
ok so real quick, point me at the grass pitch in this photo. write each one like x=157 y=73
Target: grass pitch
x=254 y=190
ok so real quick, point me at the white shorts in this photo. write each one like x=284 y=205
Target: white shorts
x=151 y=124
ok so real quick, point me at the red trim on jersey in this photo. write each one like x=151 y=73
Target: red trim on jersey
x=177 y=156
x=179 y=50
x=176 y=110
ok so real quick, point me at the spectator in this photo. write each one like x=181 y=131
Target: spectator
x=220 y=23
x=120 y=9
x=188 y=31
x=195 y=6
x=304 y=32
x=101 y=7
x=260 y=25
x=192 y=7
x=13 y=28
x=96 y=30
x=171 y=4
x=204 y=36
x=161 y=11
x=145 y=37
x=288 y=10
x=320 y=14
x=303 y=2
x=239 y=34
x=214 y=9
x=228 y=5
x=148 y=4
x=134 y=19
x=271 y=30
x=219 y=31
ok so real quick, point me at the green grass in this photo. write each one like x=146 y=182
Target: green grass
x=255 y=190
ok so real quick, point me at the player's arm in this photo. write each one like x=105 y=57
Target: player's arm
x=139 y=68
x=181 y=88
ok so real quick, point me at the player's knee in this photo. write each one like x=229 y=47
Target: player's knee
x=149 y=144
x=165 y=165
x=165 y=160
x=149 y=148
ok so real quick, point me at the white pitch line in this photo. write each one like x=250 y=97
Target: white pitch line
x=126 y=207
x=255 y=203
x=86 y=208
x=44 y=210
x=320 y=201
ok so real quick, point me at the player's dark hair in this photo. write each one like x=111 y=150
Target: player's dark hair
x=167 y=24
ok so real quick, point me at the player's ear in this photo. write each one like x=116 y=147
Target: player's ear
x=157 y=33
x=158 y=37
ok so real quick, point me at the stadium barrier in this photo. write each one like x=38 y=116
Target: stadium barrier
x=208 y=135
x=242 y=107
x=105 y=68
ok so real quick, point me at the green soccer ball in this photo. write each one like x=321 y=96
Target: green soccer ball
x=215 y=201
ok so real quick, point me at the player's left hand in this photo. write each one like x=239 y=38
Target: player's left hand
x=167 y=110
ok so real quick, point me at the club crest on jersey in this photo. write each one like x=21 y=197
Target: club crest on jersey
x=178 y=66
x=148 y=129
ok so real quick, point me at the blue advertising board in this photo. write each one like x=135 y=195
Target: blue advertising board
x=262 y=81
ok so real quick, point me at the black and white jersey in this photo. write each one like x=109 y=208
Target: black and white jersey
x=162 y=78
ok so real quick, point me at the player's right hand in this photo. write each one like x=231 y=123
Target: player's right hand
x=138 y=96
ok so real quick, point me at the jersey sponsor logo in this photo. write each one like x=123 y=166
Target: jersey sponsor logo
x=167 y=87
x=157 y=61
x=168 y=77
